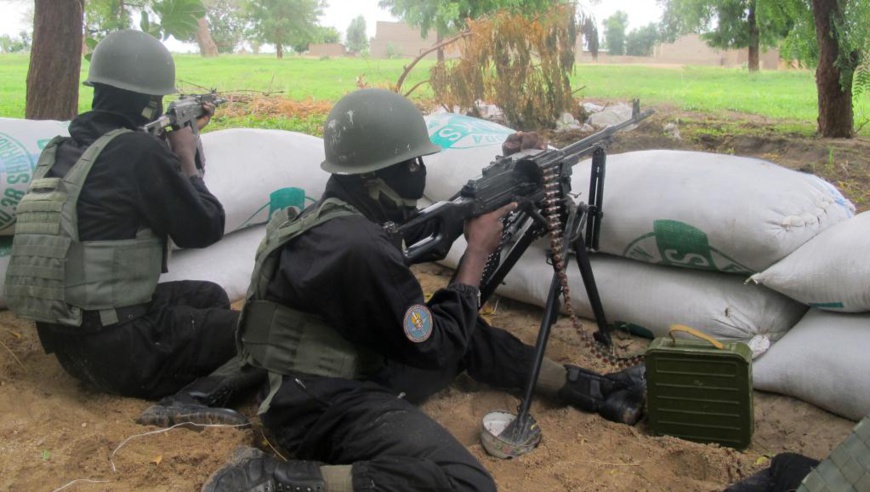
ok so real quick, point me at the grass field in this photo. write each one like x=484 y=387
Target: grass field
x=786 y=96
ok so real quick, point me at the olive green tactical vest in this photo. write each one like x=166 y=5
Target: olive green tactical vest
x=283 y=340
x=52 y=275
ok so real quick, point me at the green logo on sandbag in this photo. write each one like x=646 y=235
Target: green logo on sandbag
x=16 y=166
x=676 y=243
x=464 y=132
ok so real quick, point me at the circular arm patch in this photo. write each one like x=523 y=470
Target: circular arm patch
x=418 y=323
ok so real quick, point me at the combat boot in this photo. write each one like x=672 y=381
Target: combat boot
x=618 y=397
x=251 y=470
x=200 y=402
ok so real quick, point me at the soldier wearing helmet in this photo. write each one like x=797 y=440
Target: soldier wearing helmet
x=341 y=324
x=91 y=243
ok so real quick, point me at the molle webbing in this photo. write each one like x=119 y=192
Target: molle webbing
x=283 y=340
x=52 y=276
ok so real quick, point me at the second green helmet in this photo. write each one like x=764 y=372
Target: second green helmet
x=372 y=129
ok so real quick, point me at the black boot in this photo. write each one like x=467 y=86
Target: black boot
x=200 y=402
x=252 y=470
x=618 y=397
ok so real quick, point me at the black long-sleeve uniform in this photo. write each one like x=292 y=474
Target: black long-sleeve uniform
x=186 y=331
x=349 y=271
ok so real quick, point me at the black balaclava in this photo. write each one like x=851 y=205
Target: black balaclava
x=140 y=108
x=387 y=195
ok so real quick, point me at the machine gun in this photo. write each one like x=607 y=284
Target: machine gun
x=540 y=182
x=183 y=112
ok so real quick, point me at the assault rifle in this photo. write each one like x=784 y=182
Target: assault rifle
x=183 y=112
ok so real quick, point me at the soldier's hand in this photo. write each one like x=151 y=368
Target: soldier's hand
x=483 y=233
x=183 y=143
x=520 y=141
x=208 y=110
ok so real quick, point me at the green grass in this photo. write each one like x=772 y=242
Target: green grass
x=786 y=96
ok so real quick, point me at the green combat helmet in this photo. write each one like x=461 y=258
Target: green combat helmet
x=372 y=129
x=134 y=61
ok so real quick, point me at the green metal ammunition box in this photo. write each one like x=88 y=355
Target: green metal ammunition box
x=700 y=389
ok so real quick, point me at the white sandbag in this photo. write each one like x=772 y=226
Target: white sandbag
x=830 y=271
x=5 y=254
x=255 y=172
x=228 y=263
x=822 y=360
x=709 y=211
x=651 y=298
x=469 y=144
x=21 y=142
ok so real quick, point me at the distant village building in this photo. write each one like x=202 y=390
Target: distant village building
x=690 y=50
x=327 y=50
x=399 y=40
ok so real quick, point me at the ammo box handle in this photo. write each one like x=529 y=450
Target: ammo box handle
x=692 y=331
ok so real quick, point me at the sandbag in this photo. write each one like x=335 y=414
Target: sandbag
x=709 y=211
x=21 y=142
x=255 y=172
x=228 y=263
x=469 y=144
x=830 y=271
x=822 y=360
x=5 y=254
x=650 y=298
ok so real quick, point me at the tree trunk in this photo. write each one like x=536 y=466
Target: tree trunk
x=279 y=50
x=55 y=60
x=836 y=118
x=439 y=37
x=207 y=46
x=753 y=39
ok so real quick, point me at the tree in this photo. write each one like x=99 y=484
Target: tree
x=833 y=36
x=640 y=42
x=322 y=34
x=226 y=23
x=449 y=16
x=284 y=23
x=8 y=44
x=55 y=58
x=357 y=40
x=728 y=24
x=614 y=32
x=517 y=62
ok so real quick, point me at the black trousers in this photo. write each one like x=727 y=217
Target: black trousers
x=392 y=445
x=186 y=333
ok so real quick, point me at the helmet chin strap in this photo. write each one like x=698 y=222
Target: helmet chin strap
x=378 y=189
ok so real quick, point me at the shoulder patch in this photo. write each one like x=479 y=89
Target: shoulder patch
x=418 y=323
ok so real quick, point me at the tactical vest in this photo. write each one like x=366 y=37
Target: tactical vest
x=53 y=276
x=283 y=340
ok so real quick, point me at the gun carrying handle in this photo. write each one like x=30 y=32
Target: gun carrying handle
x=696 y=333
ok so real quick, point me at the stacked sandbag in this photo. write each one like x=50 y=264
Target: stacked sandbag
x=710 y=211
x=255 y=172
x=822 y=360
x=228 y=263
x=651 y=298
x=21 y=142
x=830 y=271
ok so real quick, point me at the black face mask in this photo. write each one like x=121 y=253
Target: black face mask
x=408 y=178
x=131 y=104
